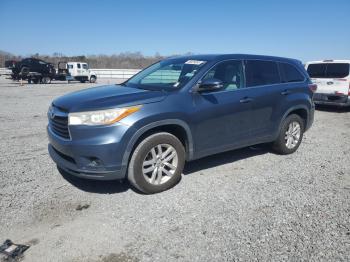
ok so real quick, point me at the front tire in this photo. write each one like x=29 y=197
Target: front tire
x=290 y=136
x=24 y=71
x=157 y=163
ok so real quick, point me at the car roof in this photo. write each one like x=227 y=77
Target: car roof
x=34 y=59
x=219 y=57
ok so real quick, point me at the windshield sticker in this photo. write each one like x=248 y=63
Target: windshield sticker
x=194 y=62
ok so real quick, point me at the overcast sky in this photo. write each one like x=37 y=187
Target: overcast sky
x=305 y=30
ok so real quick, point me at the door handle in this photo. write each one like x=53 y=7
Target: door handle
x=246 y=100
x=285 y=92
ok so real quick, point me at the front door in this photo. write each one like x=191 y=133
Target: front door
x=222 y=119
x=84 y=69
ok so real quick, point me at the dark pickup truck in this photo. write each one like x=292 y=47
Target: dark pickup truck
x=35 y=70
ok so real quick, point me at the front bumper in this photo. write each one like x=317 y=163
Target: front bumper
x=93 y=153
x=310 y=118
x=331 y=99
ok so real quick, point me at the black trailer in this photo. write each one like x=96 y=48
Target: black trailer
x=37 y=71
x=62 y=74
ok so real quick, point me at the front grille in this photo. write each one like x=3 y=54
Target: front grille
x=59 y=125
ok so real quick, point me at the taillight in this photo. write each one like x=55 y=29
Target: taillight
x=349 y=90
x=339 y=93
x=313 y=87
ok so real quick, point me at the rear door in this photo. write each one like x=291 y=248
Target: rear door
x=70 y=67
x=331 y=78
x=78 y=70
x=262 y=77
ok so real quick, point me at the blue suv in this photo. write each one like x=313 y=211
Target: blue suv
x=178 y=110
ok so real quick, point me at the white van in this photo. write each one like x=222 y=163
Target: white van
x=332 y=78
x=80 y=71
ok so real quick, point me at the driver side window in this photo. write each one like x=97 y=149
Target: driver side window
x=231 y=73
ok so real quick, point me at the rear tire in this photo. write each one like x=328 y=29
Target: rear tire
x=92 y=79
x=290 y=136
x=46 y=80
x=157 y=163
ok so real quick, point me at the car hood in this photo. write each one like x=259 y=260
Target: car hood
x=104 y=97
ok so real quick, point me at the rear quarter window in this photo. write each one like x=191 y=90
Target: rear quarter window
x=260 y=72
x=290 y=73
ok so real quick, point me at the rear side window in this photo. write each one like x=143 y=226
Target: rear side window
x=260 y=72
x=317 y=70
x=337 y=70
x=328 y=70
x=290 y=74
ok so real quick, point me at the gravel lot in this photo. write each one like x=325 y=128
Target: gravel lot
x=248 y=204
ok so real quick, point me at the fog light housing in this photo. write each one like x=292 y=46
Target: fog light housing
x=95 y=162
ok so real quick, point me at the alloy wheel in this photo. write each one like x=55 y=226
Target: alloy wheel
x=292 y=135
x=160 y=164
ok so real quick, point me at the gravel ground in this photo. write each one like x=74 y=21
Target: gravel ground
x=248 y=204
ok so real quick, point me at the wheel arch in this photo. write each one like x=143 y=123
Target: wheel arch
x=177 y=127
x=300 y=110
x=94 y=77
x=303 y=113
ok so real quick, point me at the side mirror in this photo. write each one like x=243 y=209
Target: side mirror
x=210 y=84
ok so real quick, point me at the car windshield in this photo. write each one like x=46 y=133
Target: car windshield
x=166 y=74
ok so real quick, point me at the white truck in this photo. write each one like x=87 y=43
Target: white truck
x=332 y=78
x=80 y=71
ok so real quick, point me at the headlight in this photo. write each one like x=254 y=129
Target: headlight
x=101 y=117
